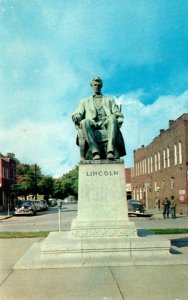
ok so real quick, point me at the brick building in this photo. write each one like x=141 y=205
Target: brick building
x=128 y=183
x=7 y=177
x=161 y=168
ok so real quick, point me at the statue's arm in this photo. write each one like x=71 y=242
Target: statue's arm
x=116 y=111
x=79 y=113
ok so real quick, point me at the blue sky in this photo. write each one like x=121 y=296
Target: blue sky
x=49 y=51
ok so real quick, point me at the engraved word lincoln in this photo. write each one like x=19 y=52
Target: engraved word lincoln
x=101 y=173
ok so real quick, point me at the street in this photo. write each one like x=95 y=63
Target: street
x=43 y=221
x=49 y=221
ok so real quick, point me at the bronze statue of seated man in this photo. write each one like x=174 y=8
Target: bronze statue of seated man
x=98 y=120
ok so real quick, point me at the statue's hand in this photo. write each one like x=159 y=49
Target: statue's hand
x=120 y=124
x=76 y=119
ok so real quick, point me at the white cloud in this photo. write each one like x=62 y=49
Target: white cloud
x=143 y=122
x=50 y=145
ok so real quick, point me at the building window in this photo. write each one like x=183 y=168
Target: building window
x=148 y=165
x=180 y=153
x=137 y=194
x=159 y=161
x=163 y=184
x=4 y=173
x=155 y=161
x=136 y=169
x=151 y=164
x=145 y=164
x=172 y=182
x=164 y=158
x=143 y=167
x=168 y=157
x=175 y=154
x=4 y=199
x=7 y=173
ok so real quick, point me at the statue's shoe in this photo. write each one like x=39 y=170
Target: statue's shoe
x=96 y=156
x=110 y=155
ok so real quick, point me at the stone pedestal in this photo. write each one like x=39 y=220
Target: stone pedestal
x=102 y=203
x=102 y=234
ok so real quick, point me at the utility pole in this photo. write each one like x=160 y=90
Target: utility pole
x=35 y=180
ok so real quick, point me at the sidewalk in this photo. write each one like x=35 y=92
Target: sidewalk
x=106 y=283
x=137 y=282
x=4 y=215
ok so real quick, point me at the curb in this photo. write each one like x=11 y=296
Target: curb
x=5 y=217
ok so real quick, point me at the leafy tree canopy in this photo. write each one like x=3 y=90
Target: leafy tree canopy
x=33 y=181
x=67 y=185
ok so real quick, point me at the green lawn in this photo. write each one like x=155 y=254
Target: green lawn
x=170 y=230
x=33 y=234
x=16 y=234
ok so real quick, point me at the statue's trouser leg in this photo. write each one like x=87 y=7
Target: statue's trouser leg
x=112 y=127
x=86 y=127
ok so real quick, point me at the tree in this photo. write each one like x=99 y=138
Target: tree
x=13 y=157
x=33 y=181
x=46 y=185
x=28 y=175
x=57 y=188
x=67 y=185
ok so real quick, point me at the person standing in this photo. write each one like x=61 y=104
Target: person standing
x=157 y=203
x=173 y=207
x=166 y=208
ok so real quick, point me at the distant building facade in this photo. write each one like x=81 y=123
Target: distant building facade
x=7 y=177
x=161 y=168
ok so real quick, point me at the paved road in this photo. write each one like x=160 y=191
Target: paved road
x=147 y=223
x=45 y=221
x=49 y=221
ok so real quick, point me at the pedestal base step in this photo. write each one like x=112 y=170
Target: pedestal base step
x=61 y=250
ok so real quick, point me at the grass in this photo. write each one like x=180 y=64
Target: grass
x=39 y=234
x=170 y=230
x=16 y=234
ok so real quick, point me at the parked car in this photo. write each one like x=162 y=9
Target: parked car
x=44 y=204
x=52 y=202
x=70 y=199
x=26 y=207
x=135 y=208
x=38 y=205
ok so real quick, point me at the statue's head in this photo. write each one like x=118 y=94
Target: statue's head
x=96 y=84
x=97 y=80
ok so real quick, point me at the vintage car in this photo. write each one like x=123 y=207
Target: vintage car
x=44 y=204
x=52 y=202
x=135 y=208
x=38 y=205
x=26 y=207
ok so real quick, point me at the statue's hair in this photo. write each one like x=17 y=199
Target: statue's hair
x=98 y=79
